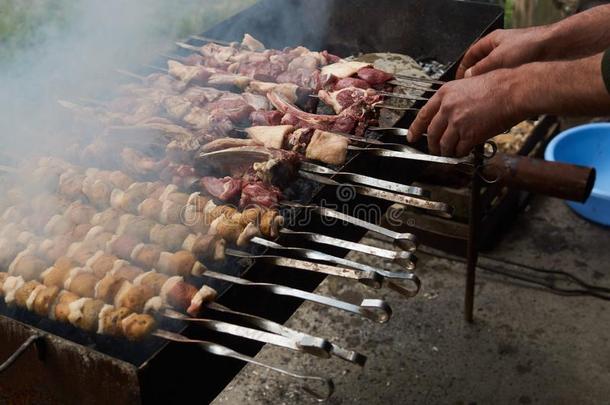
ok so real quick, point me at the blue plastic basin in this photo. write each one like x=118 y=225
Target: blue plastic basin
x=587 y=145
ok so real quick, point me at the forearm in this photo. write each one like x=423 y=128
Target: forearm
x=561 y=88
x=583 y=34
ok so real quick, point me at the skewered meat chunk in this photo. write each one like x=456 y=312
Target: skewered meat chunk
x=71 y=185
x=9 y=248
x=299 y=140
x=55 y=248
x=133 y=297
x=123 y=269
x=343 y=99
x=109 y=219
x=81 y=282
x=206 y=247
x=260 y=194
x=122 y=246
x=327 y=147
x=170 y=237
x=226 y=143
x=55 y=276
x=270 y=137
x=79 y=213
x=10 y=286
x=181 y=263
x=58 y=225
x=23 y=293
x=44 y=300
x=150 y=208
x=374 y=76
x=352 y=82
x=27 y=266
x=3 y=277
x=266 y=118
x=98 y=192
x=136 y=227
x=146 y=255
x=108 y=287
x=62 y=307
x=101 y=263
x=344 y=69
x=270 y=224
x=137 y=326
x=152 y=279
x=226 y=189
x=171 y=213
x=81 y=231
x=84 y=313
x=110 y=322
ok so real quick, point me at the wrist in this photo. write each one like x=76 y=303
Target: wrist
x=548 y=42
x=516 y=92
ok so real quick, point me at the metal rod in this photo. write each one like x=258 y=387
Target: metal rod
x=29 y=342
x=219 y=350
x=213 y=40
x=405 y=259
x=310 y=342
x=398 y=283
x=404 y=241
x=130 y=74
x=368 y=277
x=395 y=108
x=321 y=350
x=419 y=79
x=367 y=181
x=189 y=47
x=373 y=309
x=472 y=253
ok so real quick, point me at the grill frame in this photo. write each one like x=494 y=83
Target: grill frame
x=175 y=373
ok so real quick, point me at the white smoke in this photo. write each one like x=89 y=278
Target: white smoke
x=74 y=53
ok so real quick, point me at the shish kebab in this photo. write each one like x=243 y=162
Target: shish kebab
x=250 y=45
x=329 y=148
x=96 y=316
x=234 y=231
x=183 y=262
x=106 y=277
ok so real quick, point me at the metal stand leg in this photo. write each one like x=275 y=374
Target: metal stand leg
x=472 y=253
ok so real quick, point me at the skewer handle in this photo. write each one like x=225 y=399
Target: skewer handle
x=219 y=350
x=560 y=180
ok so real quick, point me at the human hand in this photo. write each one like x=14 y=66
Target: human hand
x=504 y=49
x=467 y=112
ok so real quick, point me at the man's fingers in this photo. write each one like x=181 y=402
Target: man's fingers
x=478 y=51
x=435 y=133
x=449 y=141
x=487 y=64
x=424 y=118
x=463 y=148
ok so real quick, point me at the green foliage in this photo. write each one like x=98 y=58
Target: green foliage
x=26 y=22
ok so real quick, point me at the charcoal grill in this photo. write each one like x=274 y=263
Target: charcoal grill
x=69 y=367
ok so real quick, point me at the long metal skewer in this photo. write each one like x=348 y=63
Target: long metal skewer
x=423 y=157
x=308 y=342
x=438 y=208
x=373 y=309
x=219 y=350
x=405 y=241
x=366 y=277
x=418 y=79
x=321 y=349
x=366 y=180
x=216 y=41
x=406 y=259
x=402 y=277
